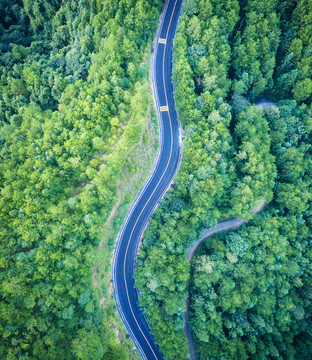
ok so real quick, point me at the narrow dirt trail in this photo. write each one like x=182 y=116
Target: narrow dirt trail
x=223 y=226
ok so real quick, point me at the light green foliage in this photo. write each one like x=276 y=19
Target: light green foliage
x=201 y=181
x=255 y=47
x=248 y=288
x=302 y=18
x=294 y=74
x=302 y=90
x=237 y=245
x=88 y=345
x=257 y=299
x=72 y=112
x=191 y=7
x=261 y=274
x=253 y=160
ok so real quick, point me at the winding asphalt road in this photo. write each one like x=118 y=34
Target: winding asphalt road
x=165 y=168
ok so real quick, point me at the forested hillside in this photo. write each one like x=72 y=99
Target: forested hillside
x=77 y=139
x=250 y=290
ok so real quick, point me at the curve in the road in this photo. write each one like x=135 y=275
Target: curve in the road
x=222 y=226
x=165 y=168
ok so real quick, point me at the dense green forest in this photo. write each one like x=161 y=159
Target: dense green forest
x=75 y=113
x=77 y=137
x=250 y=289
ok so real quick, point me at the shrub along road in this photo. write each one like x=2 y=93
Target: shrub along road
x=165 y=168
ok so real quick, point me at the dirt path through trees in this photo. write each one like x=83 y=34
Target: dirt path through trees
x=223 y=226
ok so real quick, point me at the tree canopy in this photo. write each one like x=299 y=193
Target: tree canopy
x=74 y=106
x=247 y=288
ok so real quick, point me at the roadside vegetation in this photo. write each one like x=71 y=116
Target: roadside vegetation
x=77 y=140
x=250 y=290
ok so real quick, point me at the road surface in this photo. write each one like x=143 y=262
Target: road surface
x=165 y=168
x=265 y=102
